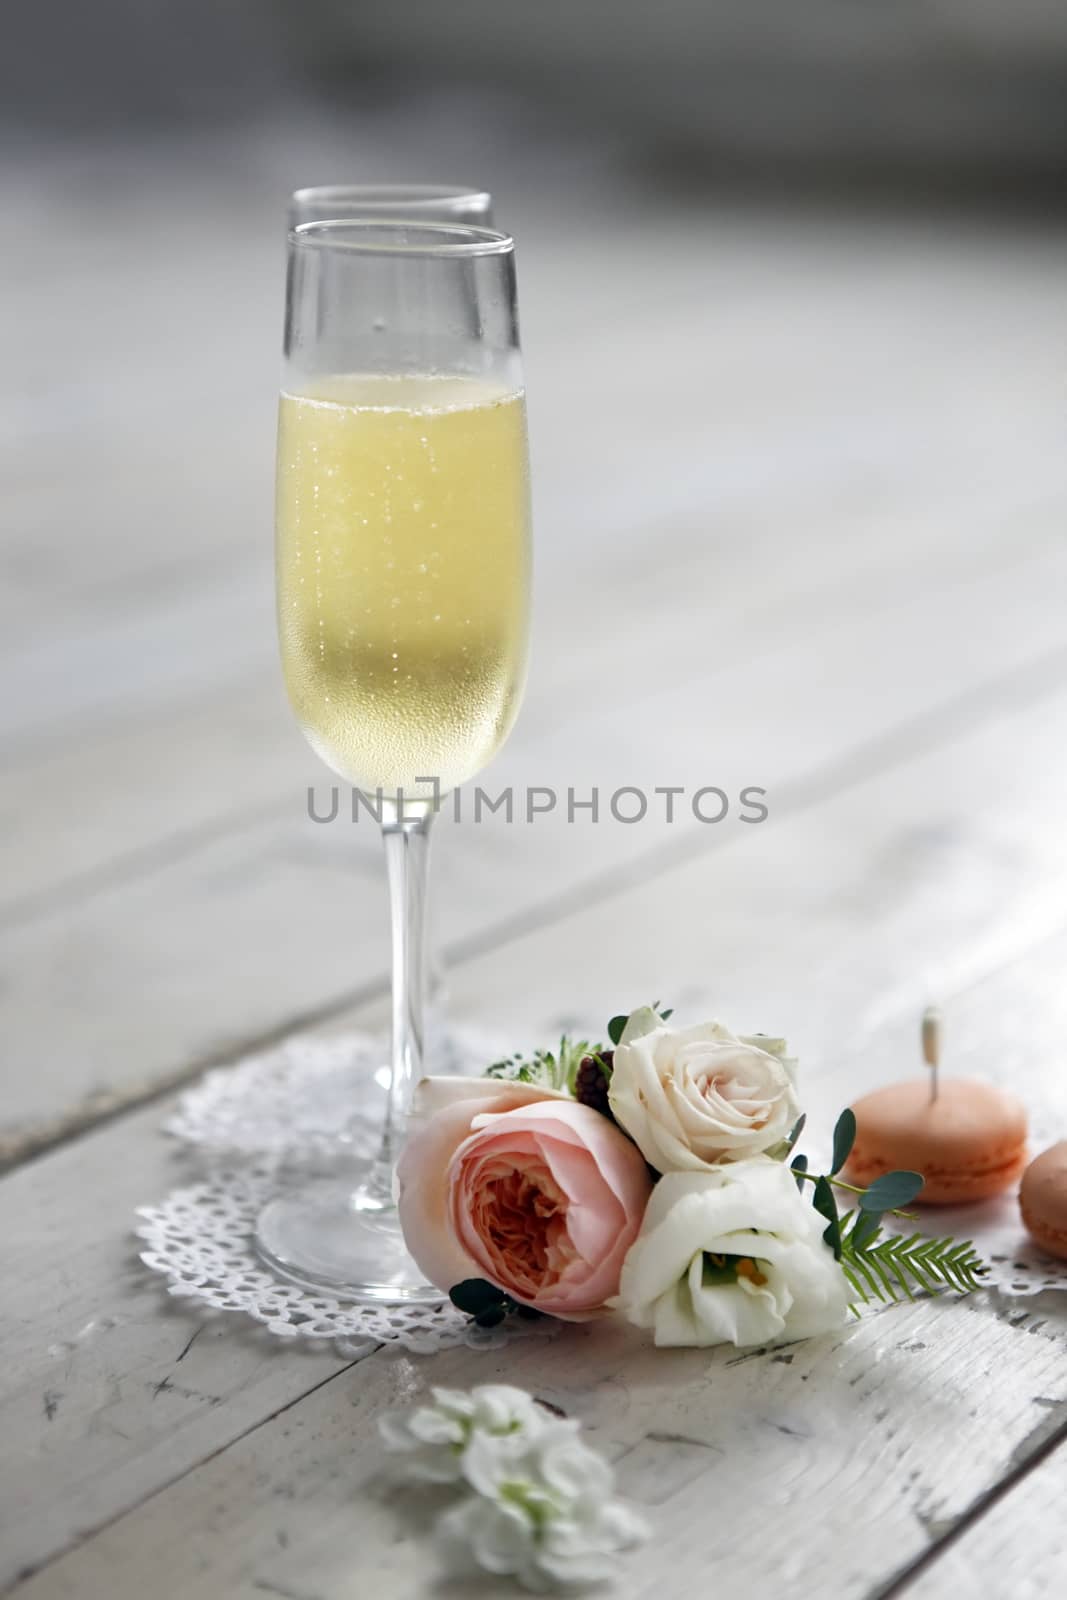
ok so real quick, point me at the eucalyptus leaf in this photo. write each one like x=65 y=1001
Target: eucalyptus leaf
x=800 y=1166
x=844 y=1139
x=825 y=1204
x=891 y=1191
x=615 y=1027
x=475 y=1296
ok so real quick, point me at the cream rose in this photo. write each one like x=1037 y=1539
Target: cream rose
x=736 y=1255
x=691 y=1098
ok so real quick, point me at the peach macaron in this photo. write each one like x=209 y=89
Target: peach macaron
x=1043 y=1200
x=969 y=1143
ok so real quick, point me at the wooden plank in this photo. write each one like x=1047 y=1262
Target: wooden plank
x=850 y=912
x=209 y=940
x=780 y=453
x=699 y=274
x=653 y=501
x=828 y=1465
x=845 y=918
x=1015 y=1550
x=109 y=1389
x=160 y=775
x=287 y=911
x=837 y=935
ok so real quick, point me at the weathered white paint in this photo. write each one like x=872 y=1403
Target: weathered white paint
x=129 y=1413
x=829 y=1465
x=277 y=917
x=855 y=430
x=108 y=1389
x=1016 y=1549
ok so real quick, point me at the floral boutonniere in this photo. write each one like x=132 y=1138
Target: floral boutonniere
x=658 y=1176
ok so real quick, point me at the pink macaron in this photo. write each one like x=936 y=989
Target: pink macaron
x=969 y=1143
x=1043 y=1199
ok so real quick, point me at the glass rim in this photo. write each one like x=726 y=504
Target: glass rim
x=358 y=235
x=413 y=195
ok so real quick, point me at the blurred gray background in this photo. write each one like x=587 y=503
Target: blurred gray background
x=908 y=89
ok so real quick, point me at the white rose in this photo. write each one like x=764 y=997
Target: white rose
x=693 y=1097
x=734 y=1254
x=541 y=1513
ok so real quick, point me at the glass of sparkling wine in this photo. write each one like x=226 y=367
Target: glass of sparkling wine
x=447 y=1050
x=403 y=600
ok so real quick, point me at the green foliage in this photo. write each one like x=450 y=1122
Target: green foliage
x=865 y=1229
x=891 y=1191
x=605 y=1066
x=475 y=1295
x=558 y=1069
x=553 y=1069
x=890 y=1267
x=825 y=1203
x=485 y=1304
x=879 y=1265
x=844 y=1139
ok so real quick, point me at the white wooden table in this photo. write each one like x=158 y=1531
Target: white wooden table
x=801 y=499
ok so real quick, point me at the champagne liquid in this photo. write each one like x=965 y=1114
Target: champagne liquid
x=403 y=573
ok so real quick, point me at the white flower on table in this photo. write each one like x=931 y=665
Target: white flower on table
x=436 y=1439
x=732 y=1255
x=542 y=1513
x=691 y=1098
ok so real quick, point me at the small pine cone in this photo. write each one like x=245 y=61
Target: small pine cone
x=591 y=1082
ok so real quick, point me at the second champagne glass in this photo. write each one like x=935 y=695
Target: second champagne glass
x=407 y=202
x=403 y=599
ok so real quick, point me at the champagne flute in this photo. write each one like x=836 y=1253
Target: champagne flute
x=447 y=1050
x=403 y=601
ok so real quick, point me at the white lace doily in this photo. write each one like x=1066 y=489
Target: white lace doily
x=308 y=1102
x=200 y=1239
x=303 y=1098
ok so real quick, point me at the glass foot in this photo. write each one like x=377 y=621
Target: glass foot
x=342 y=1242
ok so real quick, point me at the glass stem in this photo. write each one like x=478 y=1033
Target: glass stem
x=406 y=838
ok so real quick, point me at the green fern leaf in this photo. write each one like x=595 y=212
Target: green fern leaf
x=891 y=1267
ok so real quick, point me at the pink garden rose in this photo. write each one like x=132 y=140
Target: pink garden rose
x=523 y=1186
